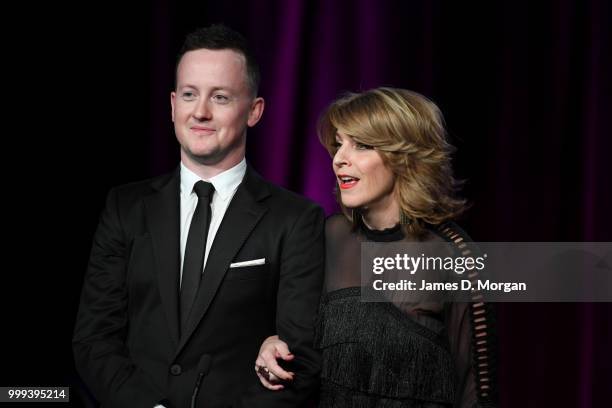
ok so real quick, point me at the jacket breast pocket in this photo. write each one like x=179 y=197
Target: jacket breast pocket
x=247 y=273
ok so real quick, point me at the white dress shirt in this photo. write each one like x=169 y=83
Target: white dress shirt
x=225 y=184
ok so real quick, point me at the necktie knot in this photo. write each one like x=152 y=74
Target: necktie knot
x=204 y=190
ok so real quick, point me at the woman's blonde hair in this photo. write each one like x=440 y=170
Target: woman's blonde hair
x=407 y=130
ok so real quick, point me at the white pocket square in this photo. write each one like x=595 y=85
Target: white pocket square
x=252 y=262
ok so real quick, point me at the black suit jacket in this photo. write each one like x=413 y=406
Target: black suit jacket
x=127 y=342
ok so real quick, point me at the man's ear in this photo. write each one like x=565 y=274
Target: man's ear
x=172 y=100
x=257 y=108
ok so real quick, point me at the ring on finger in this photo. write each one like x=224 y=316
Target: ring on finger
x=264 y=372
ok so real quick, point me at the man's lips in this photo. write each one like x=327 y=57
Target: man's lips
x=345 y=182
x=202 y=130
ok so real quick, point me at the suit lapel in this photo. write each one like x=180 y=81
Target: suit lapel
x=163 y=218
x=241 y=217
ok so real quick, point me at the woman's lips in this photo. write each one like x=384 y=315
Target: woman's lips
x=345 y=182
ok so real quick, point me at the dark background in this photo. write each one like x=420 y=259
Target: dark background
x=525 y=88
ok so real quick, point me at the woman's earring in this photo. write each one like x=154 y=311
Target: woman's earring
x=403 y=218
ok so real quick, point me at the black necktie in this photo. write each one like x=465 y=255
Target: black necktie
x=193 y=261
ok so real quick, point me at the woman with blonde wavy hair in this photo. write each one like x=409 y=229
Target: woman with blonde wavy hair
x=392 y=162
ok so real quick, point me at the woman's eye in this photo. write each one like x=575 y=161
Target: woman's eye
x=361 y=146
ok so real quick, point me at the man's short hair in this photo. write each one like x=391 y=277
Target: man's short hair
x=221 y=37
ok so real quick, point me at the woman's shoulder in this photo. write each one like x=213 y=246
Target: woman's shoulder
x=337 y=218
x=337 y=224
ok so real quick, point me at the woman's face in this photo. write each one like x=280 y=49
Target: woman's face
x=364 y=180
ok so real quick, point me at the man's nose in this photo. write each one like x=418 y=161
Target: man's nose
x=202 y=110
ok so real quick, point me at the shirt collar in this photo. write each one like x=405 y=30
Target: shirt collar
x=225 y=183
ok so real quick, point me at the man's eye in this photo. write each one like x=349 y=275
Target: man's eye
x=220 y=99
x=188 y=96
x=361 y=146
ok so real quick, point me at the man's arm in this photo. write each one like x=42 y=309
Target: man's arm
x=299 y=291
x=100 y=352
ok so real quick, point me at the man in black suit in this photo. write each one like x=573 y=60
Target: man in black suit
x=189 y=272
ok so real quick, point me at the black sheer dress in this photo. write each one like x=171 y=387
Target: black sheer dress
x=423 y=354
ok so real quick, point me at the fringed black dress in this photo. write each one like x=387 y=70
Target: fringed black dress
x=423 y=354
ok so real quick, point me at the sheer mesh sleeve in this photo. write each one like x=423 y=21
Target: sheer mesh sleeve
x=470 y=329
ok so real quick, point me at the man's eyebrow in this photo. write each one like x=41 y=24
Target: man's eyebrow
x=187 y=86
x=222 y=88
x=213 y=89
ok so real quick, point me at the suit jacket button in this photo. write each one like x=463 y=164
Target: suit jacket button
x=175 y=369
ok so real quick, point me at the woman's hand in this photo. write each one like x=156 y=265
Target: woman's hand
x=269 y=372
